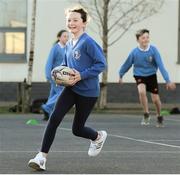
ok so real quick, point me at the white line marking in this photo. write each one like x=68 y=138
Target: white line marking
x=66 y=129
x=160 y=152
x=136 y=140
x=164 y=140
x=144 y=141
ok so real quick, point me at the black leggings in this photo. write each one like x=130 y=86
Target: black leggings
x=65 y=102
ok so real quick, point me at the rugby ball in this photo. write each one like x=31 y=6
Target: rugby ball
x=62 y=75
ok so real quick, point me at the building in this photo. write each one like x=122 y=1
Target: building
x=15 y=26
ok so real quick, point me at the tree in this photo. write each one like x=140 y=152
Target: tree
x=113 y=18
x=27 y=88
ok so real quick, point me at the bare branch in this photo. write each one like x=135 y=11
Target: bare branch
x=125 y=14
x=98 y=12
x=122 y=14
x=112 y=8
x=120 y=36
x=93 y=14
x=95 y=31
x=91 y=9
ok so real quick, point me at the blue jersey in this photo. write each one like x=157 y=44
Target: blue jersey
x=87 y=57
x=55 y=59
x=145 y=63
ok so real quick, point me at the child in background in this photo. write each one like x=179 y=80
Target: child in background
x=146 y=60
x=55 y=59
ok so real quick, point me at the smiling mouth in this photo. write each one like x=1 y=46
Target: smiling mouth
x=72 y=28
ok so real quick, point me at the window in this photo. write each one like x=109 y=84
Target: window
x=13 y=21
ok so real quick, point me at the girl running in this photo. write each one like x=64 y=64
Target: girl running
x=86 y=57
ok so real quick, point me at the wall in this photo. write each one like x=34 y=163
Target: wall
x=51 y=18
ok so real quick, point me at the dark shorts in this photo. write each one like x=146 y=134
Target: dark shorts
x=150 y=82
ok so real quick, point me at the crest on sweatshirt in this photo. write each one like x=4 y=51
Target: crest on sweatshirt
x=76 y=54
x=150 y=59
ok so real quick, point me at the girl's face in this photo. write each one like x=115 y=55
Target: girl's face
x=64 y=38
x=75 y=23
x=144 y=40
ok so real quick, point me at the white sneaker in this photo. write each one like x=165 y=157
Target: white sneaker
x=146 y=119
x=38 y=163
x=96 y=146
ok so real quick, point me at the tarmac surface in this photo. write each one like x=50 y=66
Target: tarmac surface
x=130 y=148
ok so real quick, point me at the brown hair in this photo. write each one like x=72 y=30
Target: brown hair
x=81 y=10
x=59 y=34
x=141 y=32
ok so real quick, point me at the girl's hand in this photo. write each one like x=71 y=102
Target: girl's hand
x=75 y=78
x=170 y=86
x=77 y=75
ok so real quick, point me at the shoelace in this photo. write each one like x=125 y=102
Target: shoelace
x=96 y=145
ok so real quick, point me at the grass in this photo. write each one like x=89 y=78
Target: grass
x=4 y=109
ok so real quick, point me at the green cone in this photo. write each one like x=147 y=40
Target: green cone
x=165 y=112
x=32 y=122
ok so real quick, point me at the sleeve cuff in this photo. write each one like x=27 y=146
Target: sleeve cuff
x=83 y=75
